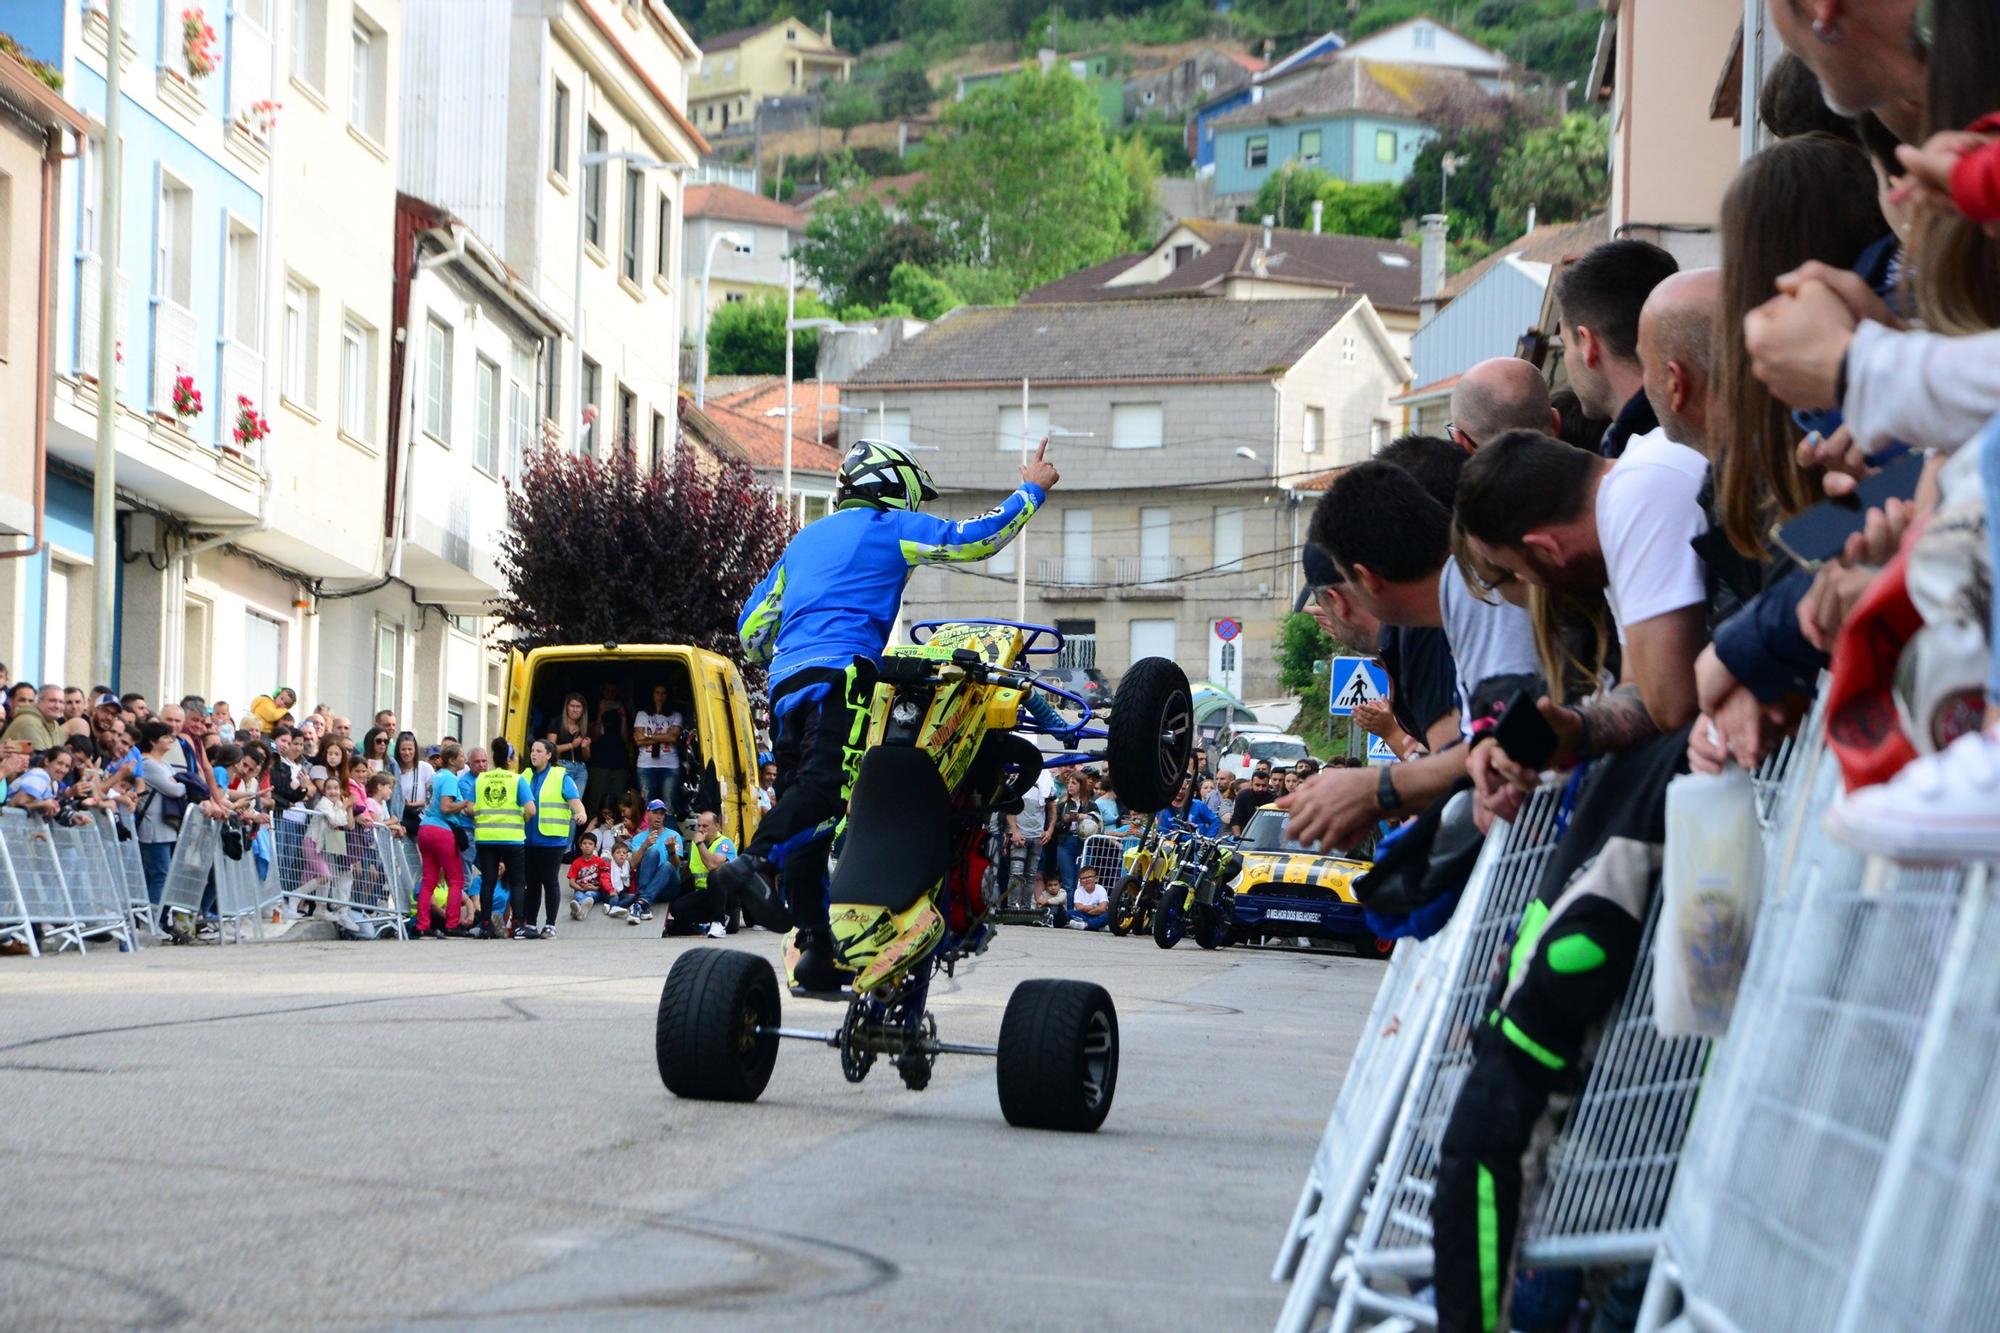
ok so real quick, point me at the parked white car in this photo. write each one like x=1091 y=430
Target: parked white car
x=1250 y=746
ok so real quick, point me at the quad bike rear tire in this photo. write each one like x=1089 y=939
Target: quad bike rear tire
x=705 y=1039
x=1125 y=910
x=1170 y=916
x=1151 y=734
x=1058 y=1065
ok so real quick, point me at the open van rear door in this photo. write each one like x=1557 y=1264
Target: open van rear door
x=731 y=749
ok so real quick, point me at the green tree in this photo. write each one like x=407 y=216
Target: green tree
x=1302 y=644
x=979 y=285
x=1287 y=195
x=904 y=243
x=1139 y=162
x=748 y=337
x=1026 y=180
x=925 y=295
x=845 y=105
x=1349 y=209
x=1560 y=170
x=906 y=89
x=843 y=232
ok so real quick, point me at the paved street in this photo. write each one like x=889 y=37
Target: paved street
x=473 y=1135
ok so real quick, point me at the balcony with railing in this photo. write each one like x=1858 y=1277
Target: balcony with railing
x=242 y=377
x=1148 y=576
x=1071 y=577
x=175 y=335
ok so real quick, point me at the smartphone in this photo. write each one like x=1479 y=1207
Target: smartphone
x=1817 y=536
x=1524 y=734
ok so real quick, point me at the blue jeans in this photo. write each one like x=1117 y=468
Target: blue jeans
x=1069 y=855
x=154 y=859
x=661 y=784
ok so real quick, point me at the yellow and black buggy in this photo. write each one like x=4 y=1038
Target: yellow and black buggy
x=948 y=746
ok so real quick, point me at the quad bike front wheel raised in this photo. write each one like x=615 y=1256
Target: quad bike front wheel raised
x=1058 y=1065
x=715 y=1038
x=1151 y=734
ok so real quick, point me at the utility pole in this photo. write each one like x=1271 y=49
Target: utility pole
x=791 y=313
x=1021 y=538
x=104 y=484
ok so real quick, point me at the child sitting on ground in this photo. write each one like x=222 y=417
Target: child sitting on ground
x=589 y=878
x=1051 y=902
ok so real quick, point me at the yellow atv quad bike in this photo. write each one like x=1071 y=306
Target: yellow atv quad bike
x=1198 y=900
x=947 y=747
x=1147 y=868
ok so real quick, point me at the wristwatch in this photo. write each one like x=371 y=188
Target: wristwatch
x=1385 y=790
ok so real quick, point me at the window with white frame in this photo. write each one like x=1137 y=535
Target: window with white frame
x=633 y=243
x=454 y=716
x=300 y=380
x=1385 y=145
x=357 y=379
x=388 y=664
x=657 y=452
x=1313 y=436
x=663 y=241
x=1378 y=435
x=486 y=417
x=1257 y=150
x=6 y=266
x=368 y=79
x=1423 y=37
x=1350 y=350
x=1138 y=425
x=437 y=380
x=242 y=265
x=559 y=132
x=1309 y=146
x=93 y=195
x=1008 y=438
x=1228 y=538
x=309 y=42
x=592 y=409
x=173 y=270
x=520 y=431
x=593 y=185
x=893 y=424
x=1207 y=80
x=746 y=241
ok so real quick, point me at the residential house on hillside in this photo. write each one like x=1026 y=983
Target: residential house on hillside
x=1209 y=73
x=741 y=67
x=748 y=426
x=1173 y=511
x=1201 y=125
x=1487 y=309
x=1239 y=261
x=1358 y=120
x=764 y=231
x=37 y=131
x=1094 y=68
x=1671 y=161
x=1427 y=42
x=892 y=192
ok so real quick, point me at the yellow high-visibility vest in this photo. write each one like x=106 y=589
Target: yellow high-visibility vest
x=553 y=818
x=497 y=813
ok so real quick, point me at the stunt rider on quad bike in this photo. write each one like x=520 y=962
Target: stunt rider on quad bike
x=821 y=619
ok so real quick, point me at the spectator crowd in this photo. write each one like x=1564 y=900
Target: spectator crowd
x=1782 y=491
x=498 y=836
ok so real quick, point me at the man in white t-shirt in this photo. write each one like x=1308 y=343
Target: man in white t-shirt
x=1028 y=833
x=656 y=736
x=1560 y=518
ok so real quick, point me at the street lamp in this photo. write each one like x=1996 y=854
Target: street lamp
x=701 y=348
x=586 y=161
x=792 y=325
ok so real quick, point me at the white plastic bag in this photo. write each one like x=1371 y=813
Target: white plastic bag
x=1711 y=879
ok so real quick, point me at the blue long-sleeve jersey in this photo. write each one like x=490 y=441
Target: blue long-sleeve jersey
x=834 y=593
x=1199 y=817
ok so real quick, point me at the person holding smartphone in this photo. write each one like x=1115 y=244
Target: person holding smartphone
x=656 y=734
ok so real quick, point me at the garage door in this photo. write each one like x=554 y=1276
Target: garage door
x=1152 y=638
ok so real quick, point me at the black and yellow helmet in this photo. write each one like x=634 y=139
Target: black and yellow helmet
x=884 y=475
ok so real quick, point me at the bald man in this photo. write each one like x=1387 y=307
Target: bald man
x=1500 y=394
x=1676 y=346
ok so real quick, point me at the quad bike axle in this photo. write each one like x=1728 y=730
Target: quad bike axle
x=883 y=1042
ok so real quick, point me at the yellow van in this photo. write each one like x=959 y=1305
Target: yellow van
x=704 y=687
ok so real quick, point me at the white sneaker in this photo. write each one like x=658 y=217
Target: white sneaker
x=548 y=932
x=575 y=911
x=716 y=931
x=1076 y=923
x=614 y=911
x=1941 y=807
x=633 y=918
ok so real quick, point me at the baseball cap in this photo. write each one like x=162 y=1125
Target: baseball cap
x=107 y=701
x=1320 y=572
x=656 y=805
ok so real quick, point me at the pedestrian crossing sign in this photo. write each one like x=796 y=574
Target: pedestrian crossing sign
x=1355 y=681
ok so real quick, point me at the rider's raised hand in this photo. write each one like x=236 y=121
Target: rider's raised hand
x=1042 y=472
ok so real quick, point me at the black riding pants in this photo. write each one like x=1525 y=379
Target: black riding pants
x=490 y=856
x=822 y=720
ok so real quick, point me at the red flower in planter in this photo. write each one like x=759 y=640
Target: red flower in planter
x=187 y=398
x=251 y=426
x=198 y=44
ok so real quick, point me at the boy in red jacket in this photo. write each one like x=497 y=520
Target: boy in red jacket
x=589 y=878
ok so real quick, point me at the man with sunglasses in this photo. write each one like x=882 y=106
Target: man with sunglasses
x=1422 y=707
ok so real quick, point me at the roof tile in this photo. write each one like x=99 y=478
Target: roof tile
x=729 y=204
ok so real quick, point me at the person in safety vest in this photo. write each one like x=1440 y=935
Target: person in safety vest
x=702 y=909
x=502 y=805
x=821 y=618
x=558 y=809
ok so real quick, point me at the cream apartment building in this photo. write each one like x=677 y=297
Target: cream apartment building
x=741 y=67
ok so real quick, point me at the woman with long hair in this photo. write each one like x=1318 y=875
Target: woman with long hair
x=412 y=791
x=570 y=739
x=437 y=846
x=558 y=812
x=375 y=749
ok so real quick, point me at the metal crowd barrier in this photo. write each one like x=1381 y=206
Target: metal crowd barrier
x=1363 y=1221
x=360 y=877
x=121 y=852
x=56 y=886
x=1106 y=855
x=1844 y=1171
